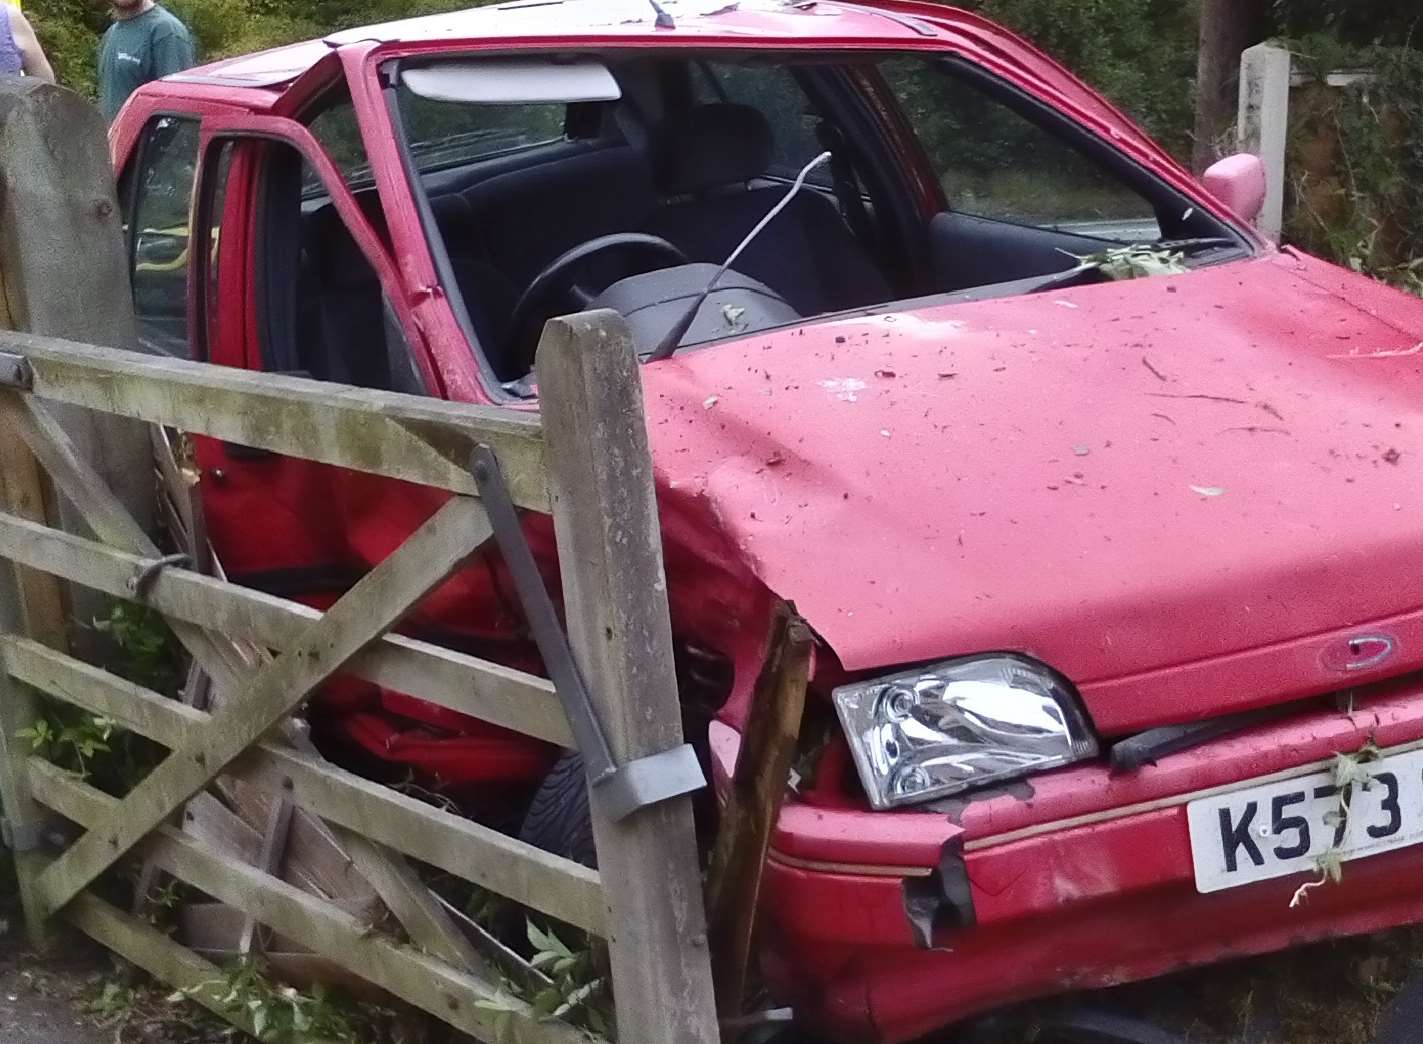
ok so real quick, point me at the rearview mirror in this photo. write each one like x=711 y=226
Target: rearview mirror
x=1239 y=182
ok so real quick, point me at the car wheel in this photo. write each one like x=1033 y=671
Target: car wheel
x=558 y=820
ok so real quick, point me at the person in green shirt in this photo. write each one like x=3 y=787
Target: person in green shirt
x=145 y=43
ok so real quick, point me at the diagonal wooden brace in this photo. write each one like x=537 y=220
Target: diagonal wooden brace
x=366 y=612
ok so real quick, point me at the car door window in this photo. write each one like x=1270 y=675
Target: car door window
x=158 y=228
x=995 y=163
x=323 y=312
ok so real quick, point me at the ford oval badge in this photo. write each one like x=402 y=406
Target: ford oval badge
x=1359 y=653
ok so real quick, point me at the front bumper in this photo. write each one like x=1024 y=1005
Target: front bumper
x=1082 y=880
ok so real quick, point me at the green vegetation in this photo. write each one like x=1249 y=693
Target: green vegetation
x=70 y=29
x=1356 y=161
x=287 y=1015
x=1140 y=53
x=97 y=748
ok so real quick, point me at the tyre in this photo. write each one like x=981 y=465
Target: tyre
x=558 y=819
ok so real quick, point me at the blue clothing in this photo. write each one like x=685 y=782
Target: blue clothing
x=11 y=64
x=136 y=50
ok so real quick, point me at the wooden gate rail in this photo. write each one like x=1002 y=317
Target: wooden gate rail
x=427 y=441
x=590 y=468
x=441 y=676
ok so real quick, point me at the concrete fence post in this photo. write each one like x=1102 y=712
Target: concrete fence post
x=1263 y=124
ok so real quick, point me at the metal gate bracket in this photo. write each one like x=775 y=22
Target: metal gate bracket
x=621 y=790
x=15 y=372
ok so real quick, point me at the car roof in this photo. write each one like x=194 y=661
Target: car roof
x=569 y=21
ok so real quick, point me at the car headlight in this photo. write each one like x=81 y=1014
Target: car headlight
x=960 y=724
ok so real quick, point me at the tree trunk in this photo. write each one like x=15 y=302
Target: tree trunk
x=1227 y=28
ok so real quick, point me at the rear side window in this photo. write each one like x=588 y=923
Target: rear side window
x=159 y=221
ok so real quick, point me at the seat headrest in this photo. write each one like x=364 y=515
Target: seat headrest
x=710 y=146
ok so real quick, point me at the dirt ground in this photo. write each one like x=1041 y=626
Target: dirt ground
x=78 y=994
x=45 y=1001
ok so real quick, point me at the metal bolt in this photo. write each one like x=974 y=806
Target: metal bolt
x=16 y=372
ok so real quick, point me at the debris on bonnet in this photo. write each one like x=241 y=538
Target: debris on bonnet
x=710 y=401
x=1209 y=491
x=844 y=388
x=1081 y=451
x=886 y=373
x=1154 y=371
x=1064 y=304
x=1387 y=353
x=1134 y=261
x=1392 y=456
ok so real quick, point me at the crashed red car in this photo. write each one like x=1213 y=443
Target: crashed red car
x=1103 y=571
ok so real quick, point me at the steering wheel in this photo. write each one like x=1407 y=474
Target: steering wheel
x=559 y=279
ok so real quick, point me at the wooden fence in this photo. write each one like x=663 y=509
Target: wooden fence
x=585 y=461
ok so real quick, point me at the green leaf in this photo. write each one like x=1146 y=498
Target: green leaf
x=546 y=942
x=499 y=1002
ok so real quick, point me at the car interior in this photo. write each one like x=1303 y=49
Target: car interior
x=559 y=183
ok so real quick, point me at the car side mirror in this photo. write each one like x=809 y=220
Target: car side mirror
x=1239 y=182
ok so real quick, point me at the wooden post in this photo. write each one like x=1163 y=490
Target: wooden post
x=32 y=603
x=758 y=787
x=64 y=271
x=1263 y=124
x=615 y=596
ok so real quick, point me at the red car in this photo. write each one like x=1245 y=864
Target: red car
x=1104 y=571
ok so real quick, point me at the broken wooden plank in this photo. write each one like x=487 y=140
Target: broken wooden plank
x=270 y=857
x=416 y=978
x=758 y=787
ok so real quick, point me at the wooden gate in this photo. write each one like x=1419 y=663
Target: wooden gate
x=72 y=523
x=586 y=461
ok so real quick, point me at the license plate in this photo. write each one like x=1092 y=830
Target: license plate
x=1277 y=829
